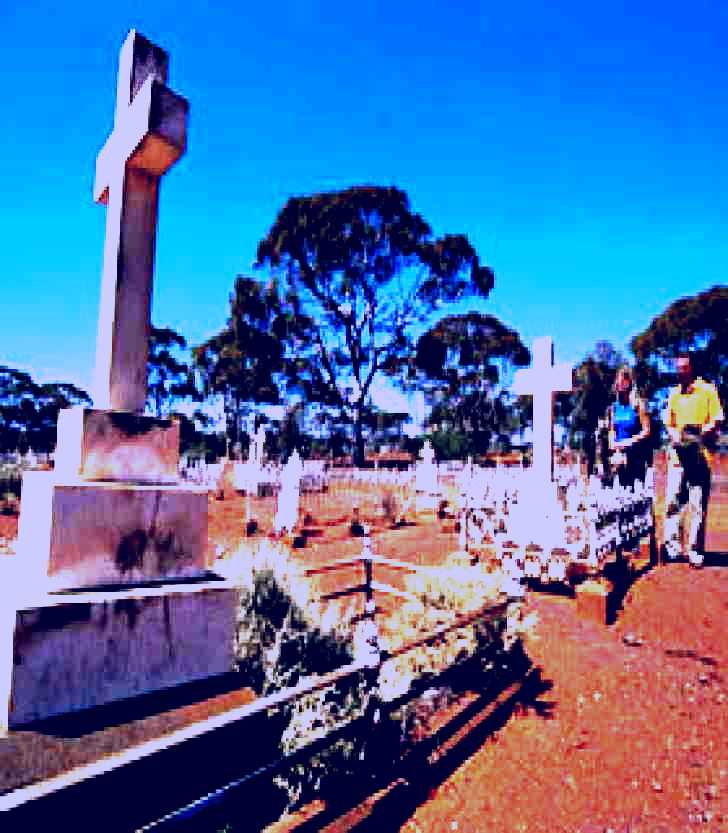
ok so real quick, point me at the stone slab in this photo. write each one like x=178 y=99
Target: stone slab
x=116 y=445
x=69 y=652
x=592 y=600
x=74 y=535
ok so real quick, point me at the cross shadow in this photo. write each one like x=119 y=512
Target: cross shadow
x=623 y=574
x=687 y=653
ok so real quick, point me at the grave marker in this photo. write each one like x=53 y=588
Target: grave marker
x=149 y=136
x=113 y=511
x=541 y=381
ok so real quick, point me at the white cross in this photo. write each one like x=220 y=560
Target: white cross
x=541 y=381
x=149 y=136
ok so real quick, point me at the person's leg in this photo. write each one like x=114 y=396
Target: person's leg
x=675 y=497
x=695 y=501
x=697 y=481
x=623 y=475
x=635 y=468
x=704 y=508
x=642 y=459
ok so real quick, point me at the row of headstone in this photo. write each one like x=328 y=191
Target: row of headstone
x=576 y=520
x=30 y=460
x=202 y=474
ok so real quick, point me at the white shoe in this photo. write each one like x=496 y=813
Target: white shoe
x=672 y=551
x=695 y=558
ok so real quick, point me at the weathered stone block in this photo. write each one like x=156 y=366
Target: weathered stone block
x=592 y=600
x=75 y=651
x=116 y=445
x=74 y=535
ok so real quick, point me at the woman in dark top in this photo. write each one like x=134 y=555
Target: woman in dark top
x=629 y=430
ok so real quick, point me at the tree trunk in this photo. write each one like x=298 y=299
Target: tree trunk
x=358 y=439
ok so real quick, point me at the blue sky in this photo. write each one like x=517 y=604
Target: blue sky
x=582 y=150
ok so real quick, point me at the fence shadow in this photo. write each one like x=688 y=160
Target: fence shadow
x=392 y=794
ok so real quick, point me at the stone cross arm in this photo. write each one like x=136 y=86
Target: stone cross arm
x=543 y=376
x=150 y=129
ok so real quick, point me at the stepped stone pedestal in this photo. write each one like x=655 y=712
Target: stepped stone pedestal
x=73 y=636
x=116 y=445
x=87 y=534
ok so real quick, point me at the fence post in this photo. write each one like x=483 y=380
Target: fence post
x=369 y=649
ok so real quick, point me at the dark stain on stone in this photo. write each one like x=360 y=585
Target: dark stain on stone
x=168 y=625
x=128 y=607
x=133 y=425
x=168 y=549
x=55 y=618
x=164 y=540
x=130 y=552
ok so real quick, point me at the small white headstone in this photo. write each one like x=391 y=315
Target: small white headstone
x=290 y=495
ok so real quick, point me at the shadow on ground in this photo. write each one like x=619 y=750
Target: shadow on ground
x=385 y=799
x=716 y=559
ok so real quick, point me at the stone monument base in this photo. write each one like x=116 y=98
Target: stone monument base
x=116 y=445
x=72 y=651
x=81 y=534
x=592 y=600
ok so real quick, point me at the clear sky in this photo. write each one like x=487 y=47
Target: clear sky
x=582 y=148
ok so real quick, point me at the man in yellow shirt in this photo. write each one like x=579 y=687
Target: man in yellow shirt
x=692 y=417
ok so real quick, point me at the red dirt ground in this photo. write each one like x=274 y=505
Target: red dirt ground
x=626 y=738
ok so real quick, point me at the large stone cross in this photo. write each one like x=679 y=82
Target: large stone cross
x=541 y=381
x=149 y=136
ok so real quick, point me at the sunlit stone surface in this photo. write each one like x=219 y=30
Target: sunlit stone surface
x=116 y=445
x=75 y=651
x=113 y=512
x=87 y=534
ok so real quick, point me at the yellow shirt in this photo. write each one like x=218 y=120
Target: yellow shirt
x=699 y=405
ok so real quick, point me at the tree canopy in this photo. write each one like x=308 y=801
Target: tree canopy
x=463 y=360
x=29 y=411
x=246 y=362
x=169 y=377
x=698 y=324
x=593 y=385
x=363 y=270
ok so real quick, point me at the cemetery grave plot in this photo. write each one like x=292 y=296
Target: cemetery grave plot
x=422 y=543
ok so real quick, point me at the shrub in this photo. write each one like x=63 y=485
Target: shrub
x=282 y=639
x=278 y=644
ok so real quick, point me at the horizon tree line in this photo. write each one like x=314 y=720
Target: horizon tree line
x=354 y=291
